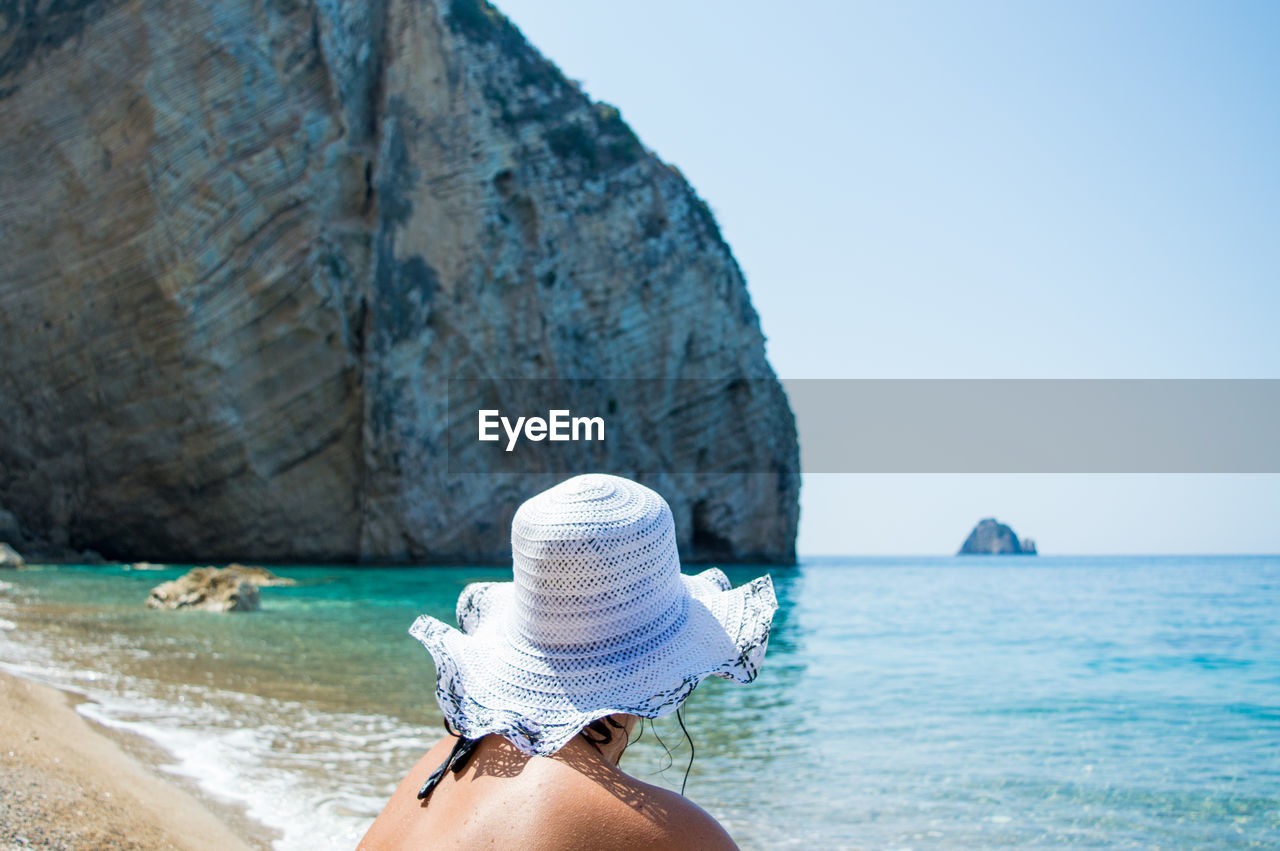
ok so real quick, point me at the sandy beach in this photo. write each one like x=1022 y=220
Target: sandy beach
x=67 y=785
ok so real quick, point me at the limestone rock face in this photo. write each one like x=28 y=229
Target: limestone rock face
x=9 y=557
x=990 y=537
x=248 y=243
x=10 y=529
x=227 y=589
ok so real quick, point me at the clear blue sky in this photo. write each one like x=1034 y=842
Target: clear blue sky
x=978 y=190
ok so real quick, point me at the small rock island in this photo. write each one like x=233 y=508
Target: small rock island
x=992 y=538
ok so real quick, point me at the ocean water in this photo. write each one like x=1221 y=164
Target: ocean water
x=905 y=703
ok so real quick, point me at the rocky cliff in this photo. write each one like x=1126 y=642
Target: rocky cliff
x=991 y=537
x=247 y=243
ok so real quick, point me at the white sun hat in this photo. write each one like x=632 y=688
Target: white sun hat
x=598 y=620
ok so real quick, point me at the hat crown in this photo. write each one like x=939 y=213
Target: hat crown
x=596 y=567
x=598 y=620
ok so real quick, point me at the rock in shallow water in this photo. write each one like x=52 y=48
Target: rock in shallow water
x=227 y=589
x=9 y=557
x=259 y=576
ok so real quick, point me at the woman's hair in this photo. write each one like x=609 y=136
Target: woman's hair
x=600 y=732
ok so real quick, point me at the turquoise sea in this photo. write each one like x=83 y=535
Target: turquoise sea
x=905 y=702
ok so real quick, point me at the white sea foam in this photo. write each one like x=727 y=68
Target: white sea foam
x=277 y=759
x=274 y=768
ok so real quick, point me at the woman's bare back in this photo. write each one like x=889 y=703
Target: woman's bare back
x=576 y=798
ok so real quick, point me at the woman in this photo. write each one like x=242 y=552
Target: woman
x=550 y=674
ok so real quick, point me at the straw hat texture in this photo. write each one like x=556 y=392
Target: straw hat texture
x=597 y=620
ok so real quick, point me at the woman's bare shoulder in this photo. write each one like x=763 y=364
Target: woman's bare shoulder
x=571 y=800
x=682 y=824
x=624 y=812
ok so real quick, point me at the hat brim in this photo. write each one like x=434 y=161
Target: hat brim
x=539 y=701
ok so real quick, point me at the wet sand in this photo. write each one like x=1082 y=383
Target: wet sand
x=66 y=784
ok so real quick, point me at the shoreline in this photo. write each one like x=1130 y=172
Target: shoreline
x=71 y=783
x=263 y=763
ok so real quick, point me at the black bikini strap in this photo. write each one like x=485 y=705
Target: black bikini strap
x=457 y=760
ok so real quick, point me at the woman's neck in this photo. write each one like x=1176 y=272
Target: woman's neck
x=611 y=750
